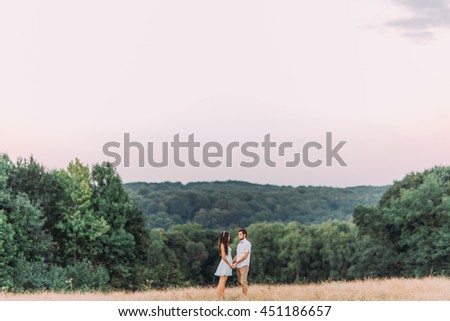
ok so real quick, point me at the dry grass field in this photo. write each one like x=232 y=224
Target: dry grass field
x=426 y=289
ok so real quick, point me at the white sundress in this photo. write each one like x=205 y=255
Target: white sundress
x=224 y=269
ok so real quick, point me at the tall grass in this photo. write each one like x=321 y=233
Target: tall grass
x=426 y=289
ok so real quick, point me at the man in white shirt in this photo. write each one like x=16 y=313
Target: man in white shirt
x=242 y=259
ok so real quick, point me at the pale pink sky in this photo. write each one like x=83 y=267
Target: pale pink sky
x=75 y=75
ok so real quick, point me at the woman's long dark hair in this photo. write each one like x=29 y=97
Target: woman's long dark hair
x=224 y=239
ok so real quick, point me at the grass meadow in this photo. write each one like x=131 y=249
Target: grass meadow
x=395 y=289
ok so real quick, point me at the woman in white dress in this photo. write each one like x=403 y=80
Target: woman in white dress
x=224 y=270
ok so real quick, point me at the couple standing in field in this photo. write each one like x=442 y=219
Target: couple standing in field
x=241 y=262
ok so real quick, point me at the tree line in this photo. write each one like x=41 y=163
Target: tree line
x=230 y=204
x=78 y=229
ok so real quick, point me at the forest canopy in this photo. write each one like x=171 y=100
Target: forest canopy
x=230 y=204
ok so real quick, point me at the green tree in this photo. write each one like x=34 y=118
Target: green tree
x=7 y=246
x=81 y=228
x=410 y=228
x=296 y=256
x=199 y=258
x=31 y=240
x=375 y=254
x=7 y=252
x=266 y=265
x=41 y=187
x=336 y=243
x=163 y=266
x=125 y=243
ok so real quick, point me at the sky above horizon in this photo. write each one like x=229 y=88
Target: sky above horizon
x=74 y=76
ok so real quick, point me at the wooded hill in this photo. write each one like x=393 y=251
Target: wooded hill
x=230 y=204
